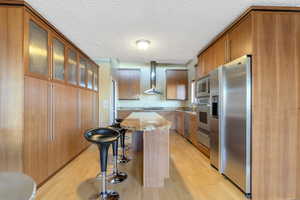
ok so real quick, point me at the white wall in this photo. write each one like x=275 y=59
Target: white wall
x=192 y=76
x=105 y=93
x=151 y=100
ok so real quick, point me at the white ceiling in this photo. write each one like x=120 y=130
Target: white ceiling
x=178 y=29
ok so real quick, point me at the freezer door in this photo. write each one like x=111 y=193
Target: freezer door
x=214 y=118
x=214 y=142
x=236 y=123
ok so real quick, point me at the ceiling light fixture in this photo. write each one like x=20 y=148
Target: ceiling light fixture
x=143 y=44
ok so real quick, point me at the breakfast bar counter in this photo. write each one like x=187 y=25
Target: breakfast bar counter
x=151 y=135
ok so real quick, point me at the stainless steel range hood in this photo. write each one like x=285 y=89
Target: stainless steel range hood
x=152 y=90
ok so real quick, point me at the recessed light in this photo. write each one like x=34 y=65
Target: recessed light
x=143 y=44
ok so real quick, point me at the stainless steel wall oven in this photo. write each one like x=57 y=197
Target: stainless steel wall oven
x=203 y=108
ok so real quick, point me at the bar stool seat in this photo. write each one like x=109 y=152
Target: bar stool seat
x=102 y=135
x=118 y=120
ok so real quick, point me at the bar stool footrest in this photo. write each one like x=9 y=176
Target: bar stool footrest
x=116 y=178
x=124 y=160
x=109 y=195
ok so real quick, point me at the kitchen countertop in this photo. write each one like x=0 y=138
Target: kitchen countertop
x=188 y=110
x=145 y=121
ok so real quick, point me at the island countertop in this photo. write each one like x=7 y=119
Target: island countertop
x=140 y=121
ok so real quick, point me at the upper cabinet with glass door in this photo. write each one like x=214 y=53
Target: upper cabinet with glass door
x=82 y=72
x=49 y=55
x=38 y=50
x=96 y=80
x=90 y=73
x=58 y=52
x=72 y=69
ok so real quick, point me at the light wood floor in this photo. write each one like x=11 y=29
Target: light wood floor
x=191 y=178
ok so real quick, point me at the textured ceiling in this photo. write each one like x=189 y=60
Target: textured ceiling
x=178 y=29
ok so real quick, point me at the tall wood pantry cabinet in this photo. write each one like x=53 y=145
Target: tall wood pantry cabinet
x=48 y=94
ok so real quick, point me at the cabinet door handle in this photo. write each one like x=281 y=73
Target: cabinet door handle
x=50 y=111
x=49 y=102
x=53 y=112
x=78 y=110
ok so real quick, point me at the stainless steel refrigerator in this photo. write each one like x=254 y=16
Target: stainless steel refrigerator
x=236 y=123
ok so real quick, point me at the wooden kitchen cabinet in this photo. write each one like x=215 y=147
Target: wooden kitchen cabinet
x=95 y=110
x=82 y=72
x=11 y=89
x=58 y=144
x=187 y=126
x=72 y=122
x=37 y=128
x=200 y=66
x=37 y=39
x=72 y=69
x=89 y=75
x=65 y=124
x=53 y=135
x=176 y=84
x=193 y=128
x=128 y=83
x=234 y=44
x=86 y=114
x=208 y=60
x=58 y=59
x=212 y=57
x=240 y=39
x=39 y=101
x=180 y=123
x=220 y=52
x=203 y=63
x=96 y=77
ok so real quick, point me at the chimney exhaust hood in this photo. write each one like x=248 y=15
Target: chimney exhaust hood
x=152 y=90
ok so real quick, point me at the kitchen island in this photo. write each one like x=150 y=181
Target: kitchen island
x=151 y=135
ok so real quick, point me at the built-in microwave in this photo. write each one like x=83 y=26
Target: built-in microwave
x=202 y=87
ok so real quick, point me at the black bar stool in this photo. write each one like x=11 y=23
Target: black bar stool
x=103 y=138
x=122 y=131
x=116 y=177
